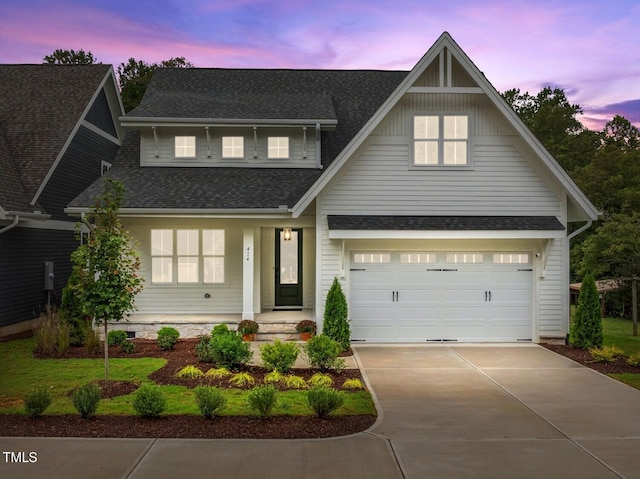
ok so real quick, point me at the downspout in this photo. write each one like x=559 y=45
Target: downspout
x=580 y=230
x=16 y=219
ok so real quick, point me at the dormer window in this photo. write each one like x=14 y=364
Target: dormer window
x=232 y=147
x=185 y=147
x=278 y=147
x=440 y=140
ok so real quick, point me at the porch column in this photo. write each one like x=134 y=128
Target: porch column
x=248 y=255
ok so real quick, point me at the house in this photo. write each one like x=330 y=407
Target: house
x=59 y=131
x=249 y=191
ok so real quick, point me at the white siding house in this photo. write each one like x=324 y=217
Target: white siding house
x=422 y=191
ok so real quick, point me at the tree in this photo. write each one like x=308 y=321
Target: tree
x=135 y=75
x=336 y=324
x=621 y=133
x=107 y=263
x=586 y=328
x=70 y=57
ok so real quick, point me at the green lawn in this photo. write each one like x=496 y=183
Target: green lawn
x=619 y=332
x=19 y=371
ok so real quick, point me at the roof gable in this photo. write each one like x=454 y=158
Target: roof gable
x=445 y=68
x=42 y=106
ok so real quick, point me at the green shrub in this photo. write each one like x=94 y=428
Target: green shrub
x=229 y=350
x=279 y=356
x=220 y=329
x=322 y=352
x=189 y=372
x=91 y=339
x=211 y=401
x=242 y=379
x=51 y=333
x=292 y=381
x=116 y=337
x=336 y=313
x=202 y=349
x=606 y=353
x=86 y=399
x=167 y=338
x=273 y=377
x=72 y=307
x=37 y=400
x=586 y=327
x=321 y=379
x=128 y=347
x=353 y=383
x=149 y=401
x=263 y=399
x=634 y=359
x=324 y=400
x=217 y=373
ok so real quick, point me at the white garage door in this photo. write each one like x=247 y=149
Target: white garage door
x=417 y=297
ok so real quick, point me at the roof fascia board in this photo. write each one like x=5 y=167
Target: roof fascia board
x=220 y=122
x=445 y=234
x=72 y=134
x=447 y=41
x=193 y=213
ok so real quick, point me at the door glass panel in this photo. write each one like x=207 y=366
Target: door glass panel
x=289 y=259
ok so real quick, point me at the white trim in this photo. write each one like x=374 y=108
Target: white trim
x=461 y=234
x=248 y=270
x=193 y=213
x=48 y=225
x=472 y=90
x=446 y=41
x=131 y=122
x=100 y=132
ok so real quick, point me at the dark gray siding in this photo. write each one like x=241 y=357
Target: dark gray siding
x=80 y=166
x=23 y=252
x=100 y=115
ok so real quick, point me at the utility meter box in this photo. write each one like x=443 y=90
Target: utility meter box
x=48 y=275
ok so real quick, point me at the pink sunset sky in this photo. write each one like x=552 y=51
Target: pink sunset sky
x=590 y=48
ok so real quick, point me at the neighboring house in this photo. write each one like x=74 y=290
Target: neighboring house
x=251 y=190
x=59 y=130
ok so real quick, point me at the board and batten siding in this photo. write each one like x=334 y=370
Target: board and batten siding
x=301 y=153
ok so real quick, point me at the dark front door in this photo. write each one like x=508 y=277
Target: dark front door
x=288 y=268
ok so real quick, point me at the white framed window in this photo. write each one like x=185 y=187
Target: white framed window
x=440 y=140
x=196 y=256
x=278 y=147
x=185 y=146
x=511 y=258
x=233 y=147
x=465 y=258
x=417 y=258
x=371 y=258
x=104 y=167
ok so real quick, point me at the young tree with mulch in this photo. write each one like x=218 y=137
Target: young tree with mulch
x=336 y=324
x=586 y=327
x=107 y=264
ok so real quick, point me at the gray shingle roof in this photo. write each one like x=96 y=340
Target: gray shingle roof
x=39 y=106
x=351 y=97
x=444 y=223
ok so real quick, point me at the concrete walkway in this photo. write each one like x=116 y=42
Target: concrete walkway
x=512 y=411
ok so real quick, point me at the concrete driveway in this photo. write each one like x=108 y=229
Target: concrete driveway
x=512 y=411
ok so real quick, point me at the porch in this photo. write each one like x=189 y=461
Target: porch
x=273 y=324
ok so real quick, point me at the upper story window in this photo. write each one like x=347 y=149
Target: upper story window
x=232 y=147
x=185 y=147
x=440 y=140
x=278 y=147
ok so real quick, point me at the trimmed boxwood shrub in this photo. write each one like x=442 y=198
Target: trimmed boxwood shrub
x=86 y=399
x=167 y=338
x=37 y=400
x=279 y=356
x=322 y=352
x=229 y=350
x=211 y=401
x=149 y=401
x=324 y=400
x=262 y=399
x=116 y=337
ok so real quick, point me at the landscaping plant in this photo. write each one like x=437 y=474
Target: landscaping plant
x=324 y=400
x=263 y=399
x=86 y=399
x=149 y=401
x=320 y=379
x=322 y=353
x=106 y=265
x=291 y=381
x=242 y=379
x=606 y=353
x=51 y=333
x=217 y=373
x=229 y=350
x=167 y=338
x=586 y=327
x=189 y=372
x=336 y=313
x=202 y=349
x=116 y=337
x=128 y=347
x=353 y=383
x=279 y=356
x=91 y=339
x=37 y=400
x=211 y=401
x=273 y=377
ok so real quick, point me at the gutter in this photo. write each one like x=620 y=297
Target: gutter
x=16 y=220
x=17 y=216
x=580 y=230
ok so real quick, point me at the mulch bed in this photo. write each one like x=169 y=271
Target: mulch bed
x=584 y=357
x=183 y=426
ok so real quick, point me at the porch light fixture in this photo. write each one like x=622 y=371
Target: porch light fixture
x=286 y=234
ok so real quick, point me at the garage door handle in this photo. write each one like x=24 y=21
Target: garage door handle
x=486 y=295
x=489 y=296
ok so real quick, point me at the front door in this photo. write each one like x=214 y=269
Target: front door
x=288 y=268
